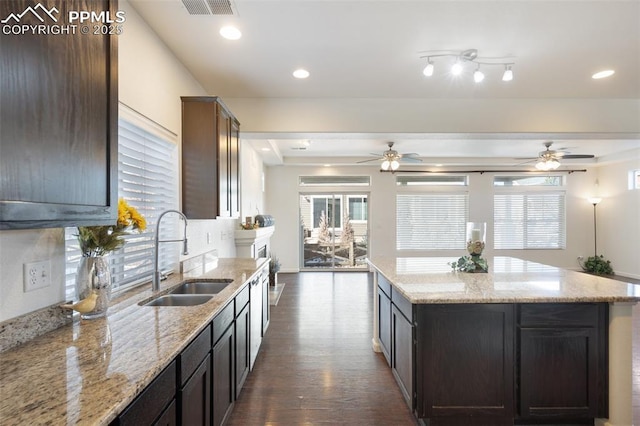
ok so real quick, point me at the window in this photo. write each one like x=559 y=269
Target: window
x=335 y=180
x=430 y=180
x=528 y=180
x=330 y=206
x=357 y=207
x=435 y=221
x=634 y=179
x=534 y=220
x=148 y=180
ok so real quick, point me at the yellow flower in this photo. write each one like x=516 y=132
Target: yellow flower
x=139 y=222
x=124 y=217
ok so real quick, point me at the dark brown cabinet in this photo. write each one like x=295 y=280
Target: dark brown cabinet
x=242 y=330
x=58 y=123
x=210 y=159
x=562 y=362
x=155 y=405
x=384 y=317
x=194 y=395
x=402 y=347
x=223 y=376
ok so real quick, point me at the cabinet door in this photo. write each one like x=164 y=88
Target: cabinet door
x=223 y=373
x=58 y=122
x=199 y=158
x=224 y=141
x=266 y=311
x=558 y=373
x=195 y=396
x=402 y=354
x=234 y=168
x=464 y=363
x=168 y=417
x=384 y=324
x=242 y=348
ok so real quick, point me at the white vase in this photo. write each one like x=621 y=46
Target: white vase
x=94 y=276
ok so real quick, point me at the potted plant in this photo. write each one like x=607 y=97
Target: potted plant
x=274 y=267
x=597 y=265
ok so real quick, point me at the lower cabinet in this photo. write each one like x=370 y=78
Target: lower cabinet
x=223 y=360
x=266 y=311
x=201 y=385
x=155 y=405
x=402 y=359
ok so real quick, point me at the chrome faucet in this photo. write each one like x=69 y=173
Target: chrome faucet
x=155 y=285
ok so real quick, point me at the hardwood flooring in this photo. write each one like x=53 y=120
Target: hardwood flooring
x=316 y=365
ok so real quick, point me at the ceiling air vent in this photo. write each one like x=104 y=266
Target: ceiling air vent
x=209 y=7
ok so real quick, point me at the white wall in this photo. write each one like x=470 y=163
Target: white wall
x=618 y=215
x=151 y=81
x=282 y=202
x=251 y=176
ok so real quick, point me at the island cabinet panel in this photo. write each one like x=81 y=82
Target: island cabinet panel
x=58 y=122
x=562 y=369
x=210 y=159
x=402 y=364
x=465 y=364
x=384 y=317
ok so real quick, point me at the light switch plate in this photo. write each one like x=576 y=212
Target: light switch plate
x=37 y=275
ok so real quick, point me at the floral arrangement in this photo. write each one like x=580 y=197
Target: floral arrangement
x=100 y=240
x=470 y=264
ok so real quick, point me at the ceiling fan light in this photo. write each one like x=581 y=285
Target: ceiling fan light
x=385 y=165
x=428 y=70
x=456 y=69
x=508 y=74
x=478 y=76
x=394 y=165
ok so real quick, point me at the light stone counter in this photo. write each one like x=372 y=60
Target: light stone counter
x=509 y=280
x=88 y=372
x=430 y=280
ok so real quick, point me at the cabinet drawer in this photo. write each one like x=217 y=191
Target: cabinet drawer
x=193 y=355
x=242 y=299
x=222 y=321
x=384 y=285
x=402 y=304
x=151 y=403
x=559 y=314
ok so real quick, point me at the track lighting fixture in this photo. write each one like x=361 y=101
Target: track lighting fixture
x=464 y=56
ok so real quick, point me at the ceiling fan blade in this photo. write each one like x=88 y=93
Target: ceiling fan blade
x=373 y=159
x=570 y=156
x=529 y=160
x=526 y=158
x=404 y=159
x=410 y=154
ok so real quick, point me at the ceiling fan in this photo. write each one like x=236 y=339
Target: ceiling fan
x=549 y=159
x=391 y=158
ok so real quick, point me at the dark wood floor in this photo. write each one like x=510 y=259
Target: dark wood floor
x=316 y=364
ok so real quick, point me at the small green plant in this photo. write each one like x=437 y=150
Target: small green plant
x=597 y=265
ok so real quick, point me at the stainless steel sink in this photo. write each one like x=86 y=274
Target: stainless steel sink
x=202 y=287
x=180 y=300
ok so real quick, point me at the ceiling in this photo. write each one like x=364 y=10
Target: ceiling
x=371 y=49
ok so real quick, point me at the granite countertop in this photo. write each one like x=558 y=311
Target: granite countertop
x=424 y=280
x=88 y=372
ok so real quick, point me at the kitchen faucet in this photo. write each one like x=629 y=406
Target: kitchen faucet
x=157 y=276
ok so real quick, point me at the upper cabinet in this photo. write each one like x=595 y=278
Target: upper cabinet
x=58 y=119
x=210 y=159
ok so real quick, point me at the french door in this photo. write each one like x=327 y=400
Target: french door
x=334 y=230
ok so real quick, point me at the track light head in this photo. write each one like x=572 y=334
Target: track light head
x=456 y=69
x=428 y=70
x=508 y=73
x=478 y=75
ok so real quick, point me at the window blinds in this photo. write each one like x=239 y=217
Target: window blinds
x=435 y=221
x=529 y=221
x=148 y=180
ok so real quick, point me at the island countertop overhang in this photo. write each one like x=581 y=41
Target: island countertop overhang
x=430 y=280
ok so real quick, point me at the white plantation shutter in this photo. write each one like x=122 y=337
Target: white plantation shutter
x=529 y=220
x=435 y=221
x=148 y=181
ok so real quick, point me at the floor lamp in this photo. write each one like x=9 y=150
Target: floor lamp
x=595 y=201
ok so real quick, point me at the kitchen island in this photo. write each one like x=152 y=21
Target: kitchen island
x=525 y=343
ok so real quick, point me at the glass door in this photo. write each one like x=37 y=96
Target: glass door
x=334 y=231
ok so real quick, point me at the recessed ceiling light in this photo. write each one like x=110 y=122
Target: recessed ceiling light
x=265 y=149
x=230 y=32
x=603 y=74
x=327 y=165
x=301 y=73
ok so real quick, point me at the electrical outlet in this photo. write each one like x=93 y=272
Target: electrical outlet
x=37 y=275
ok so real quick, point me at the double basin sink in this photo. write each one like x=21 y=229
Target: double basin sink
x=191 y=293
